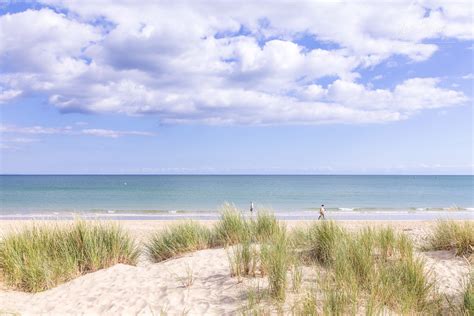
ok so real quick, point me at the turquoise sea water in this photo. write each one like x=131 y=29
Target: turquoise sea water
x=180 y=194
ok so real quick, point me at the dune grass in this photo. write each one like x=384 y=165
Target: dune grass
x=263 y=250
x=257 y=246
x=276 y=260
x=453 y=235
x=244 y=260
x=42 y=256
x=265 y=226
x=371 y=269
x=176 y=240
x=296 y=276
x=468 y=297
x=231 y=228
x=319 y=241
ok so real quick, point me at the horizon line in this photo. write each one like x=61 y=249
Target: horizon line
x=231 y=174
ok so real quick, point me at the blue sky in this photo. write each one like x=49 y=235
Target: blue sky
x=227 y=88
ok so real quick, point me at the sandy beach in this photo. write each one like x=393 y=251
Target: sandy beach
x=194 y=284
x=303 y=158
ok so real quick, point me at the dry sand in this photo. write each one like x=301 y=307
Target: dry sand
x=151 y=289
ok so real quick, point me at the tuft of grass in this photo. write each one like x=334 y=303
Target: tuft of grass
x=176 y=240
x=331 y=298
x=276 y=259
x=307 y=306
x=231 y=229
x=404 y=286
x=40 y=257
x=323 y=238
x=404 y=247
x=386 y=242
x=244 y=259
x=468 y=297
x=453 y=235
x=381 y=264
x=296 y=276
x=255 y=295
x=354 y=261
x=264 y=227
x=338 y=300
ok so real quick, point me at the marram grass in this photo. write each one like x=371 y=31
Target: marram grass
x=371 y=270
x=321 y=241
x=244 y=259
x=42 y=256
x=453 y=235
x=468 y=297
x=276 y=261
x=176 y=240
x=231 y=228
x=265 y=226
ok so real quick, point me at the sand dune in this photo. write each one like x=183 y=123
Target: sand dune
x=152 y=289
x=146 y=290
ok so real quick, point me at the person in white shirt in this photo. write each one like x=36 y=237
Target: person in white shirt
x=251 y=207
x=322 y=210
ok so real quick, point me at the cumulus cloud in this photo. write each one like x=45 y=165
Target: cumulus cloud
x=228 y=62
x=410 y=96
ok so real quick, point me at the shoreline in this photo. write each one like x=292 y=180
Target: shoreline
x=375 y=215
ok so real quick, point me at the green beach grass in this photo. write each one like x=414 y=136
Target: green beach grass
x=231 y=228
x=176 y=240
x=42 y=256
x=370 y=271
x=276 y=260
x=448 y=235
x=468 y=297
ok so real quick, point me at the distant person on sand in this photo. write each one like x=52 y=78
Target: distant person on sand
x=251 y=207
x=322 y=210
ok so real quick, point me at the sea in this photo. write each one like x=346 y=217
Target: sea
x=348 y=197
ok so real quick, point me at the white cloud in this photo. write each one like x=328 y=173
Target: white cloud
x=411 y=95
x=228 y=62
x=67 y=130
x=377 y=77
x=44 y=41
x=468 y=76
x=112 y=133
x=22 y=140
x=15 y=143
x=7 y=95
x=423 y=93
x=35 y=130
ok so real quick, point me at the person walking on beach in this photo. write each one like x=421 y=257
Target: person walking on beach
x=322 y=210
x=251 y=207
